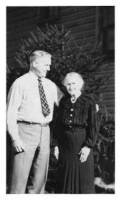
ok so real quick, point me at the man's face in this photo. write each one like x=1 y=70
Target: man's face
x=42 y=65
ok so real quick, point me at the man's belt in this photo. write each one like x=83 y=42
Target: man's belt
x=32 y=123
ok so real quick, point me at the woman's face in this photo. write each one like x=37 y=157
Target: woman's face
x=74 y=86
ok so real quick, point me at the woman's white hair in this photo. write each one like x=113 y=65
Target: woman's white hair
x=70 y=75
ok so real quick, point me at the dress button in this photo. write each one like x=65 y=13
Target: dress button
x=70 y=121
x=72 y=109
x=71 y=115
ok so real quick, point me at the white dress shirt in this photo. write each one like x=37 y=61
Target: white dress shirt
x=24 y=102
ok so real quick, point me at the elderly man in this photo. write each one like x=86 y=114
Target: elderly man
x=31 y=101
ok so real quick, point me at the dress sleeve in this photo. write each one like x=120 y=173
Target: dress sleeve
x=91 y=129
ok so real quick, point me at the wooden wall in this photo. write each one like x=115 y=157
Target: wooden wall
x=83 y=22
x=20 y=20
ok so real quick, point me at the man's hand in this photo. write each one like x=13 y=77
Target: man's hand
x=84 y=153
x=18 y=146
x=56 y=152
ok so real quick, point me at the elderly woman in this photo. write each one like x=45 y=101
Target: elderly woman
x=76 y=134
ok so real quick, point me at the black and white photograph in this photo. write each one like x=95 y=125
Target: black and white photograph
x=60 y=101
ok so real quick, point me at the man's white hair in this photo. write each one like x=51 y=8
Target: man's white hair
x=40 y=54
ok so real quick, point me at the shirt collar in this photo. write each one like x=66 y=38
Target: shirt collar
x=34 y=76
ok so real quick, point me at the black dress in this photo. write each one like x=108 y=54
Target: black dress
x=76 y=127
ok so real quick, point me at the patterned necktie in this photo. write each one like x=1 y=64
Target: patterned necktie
x=44 y=104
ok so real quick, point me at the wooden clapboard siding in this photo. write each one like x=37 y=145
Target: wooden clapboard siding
x=81 y=20
x=20 y=20
x=109 y=90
